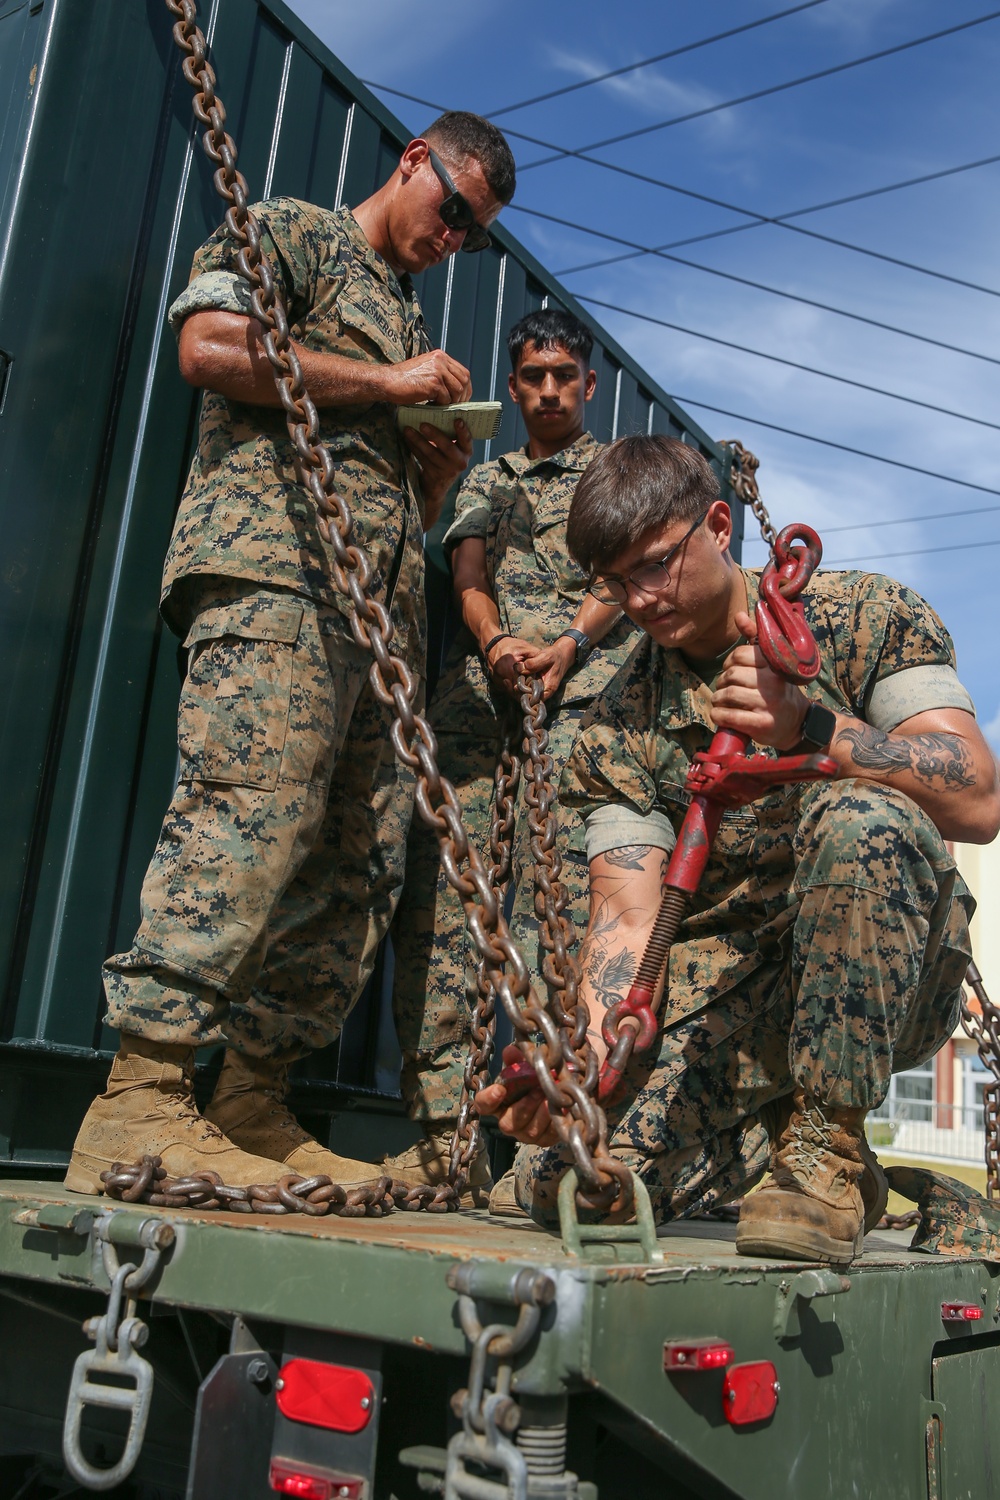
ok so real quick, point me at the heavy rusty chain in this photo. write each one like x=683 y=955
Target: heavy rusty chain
x=743 y=482
x=605 y=1182
x=984 y=1029
x=146 y=1181
x=476 y=1075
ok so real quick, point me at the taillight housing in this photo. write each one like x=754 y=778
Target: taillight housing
x=289 y=1480
x=960 y=1312
x=697 y=1354
x=750 y=1393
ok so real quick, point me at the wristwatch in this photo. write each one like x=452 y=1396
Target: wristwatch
x=817 y=728
x=584 y=645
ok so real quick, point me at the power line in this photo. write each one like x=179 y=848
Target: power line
x=843 y=562
x=720 y=36
x=808 y=437
x=777 y=88
x=760 y=286
x=792 y=364
x=795 y=213
x=758 y=219
x=937 y=515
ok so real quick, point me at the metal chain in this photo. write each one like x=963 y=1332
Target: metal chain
x=146 y=1181
x=503 y=811
x=568 y=1088
x=743 y=482
x=984 y=1029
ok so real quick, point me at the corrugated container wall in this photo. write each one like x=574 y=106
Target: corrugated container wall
x=104 y=195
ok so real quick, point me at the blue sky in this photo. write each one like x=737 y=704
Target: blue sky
x=923 y=110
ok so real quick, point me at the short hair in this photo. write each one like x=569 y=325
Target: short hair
x=547 y=328
x=458 y=134
x=635 y=485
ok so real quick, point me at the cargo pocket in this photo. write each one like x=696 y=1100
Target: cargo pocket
x=235 y=702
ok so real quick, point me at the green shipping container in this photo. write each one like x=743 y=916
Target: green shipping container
x=104 y=196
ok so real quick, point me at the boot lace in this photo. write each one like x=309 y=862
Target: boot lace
x=278 y=1112
x=811 y=1140
x=190 y=1117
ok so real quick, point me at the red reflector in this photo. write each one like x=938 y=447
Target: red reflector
x=324 y=1395
x=960 y=1312
x=697 y=1354
x=305 y=1486
x=750 y=1392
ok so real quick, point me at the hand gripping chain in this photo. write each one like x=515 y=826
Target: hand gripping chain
x=563 y=1060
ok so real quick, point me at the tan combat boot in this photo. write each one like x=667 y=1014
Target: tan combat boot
x=812 y=1207
x=428 y=1161
x=149 y=1110
x=248 y=1104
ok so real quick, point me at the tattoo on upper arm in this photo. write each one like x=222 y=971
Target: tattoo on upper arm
x=629 y=858
x=941 y=761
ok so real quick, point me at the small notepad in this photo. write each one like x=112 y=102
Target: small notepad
x=481 y=417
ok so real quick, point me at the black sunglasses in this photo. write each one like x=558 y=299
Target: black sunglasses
x=455 y=212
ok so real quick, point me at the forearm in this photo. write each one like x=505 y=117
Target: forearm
x=224 y=352
x=595 y=619
x=939 y=759
x=473 y=593
x=625 y=887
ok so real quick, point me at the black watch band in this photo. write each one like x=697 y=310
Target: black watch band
x=584 y=645
x=817 y=728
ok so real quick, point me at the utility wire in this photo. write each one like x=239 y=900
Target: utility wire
x=843 y=562
x=758 y=219
x=808 y=437
x=937 y=515
x=795 y=213
x=707 y=41
x=792 y=364
x=760 y=286
x=776 y=88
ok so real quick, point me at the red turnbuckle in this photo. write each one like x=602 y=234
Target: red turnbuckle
x=723 y=776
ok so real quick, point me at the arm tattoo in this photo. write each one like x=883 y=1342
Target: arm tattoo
x=941 y=761
x=612 y=980
x=629 y=858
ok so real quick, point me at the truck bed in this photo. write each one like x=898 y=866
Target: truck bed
x=872 y=1380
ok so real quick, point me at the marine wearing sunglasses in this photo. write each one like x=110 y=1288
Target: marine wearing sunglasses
x=455 y=213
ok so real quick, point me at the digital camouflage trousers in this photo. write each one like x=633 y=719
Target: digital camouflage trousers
x=280 y=859
x=869 y=986
x=434 y=988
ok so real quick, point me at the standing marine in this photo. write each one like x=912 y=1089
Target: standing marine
x=280 y=858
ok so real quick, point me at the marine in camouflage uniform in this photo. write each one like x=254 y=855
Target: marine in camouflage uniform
x=289 y=804
x=827 y=943
x=513 y=510
x=281 y=855
x=518 y=506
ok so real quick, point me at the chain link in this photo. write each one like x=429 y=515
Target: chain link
x=146 y=1181
x=984 y=1029
x=743 y=482
x=564 y=1064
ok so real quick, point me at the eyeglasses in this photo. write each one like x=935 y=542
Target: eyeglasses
x=455 y=212
x=650 y=577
